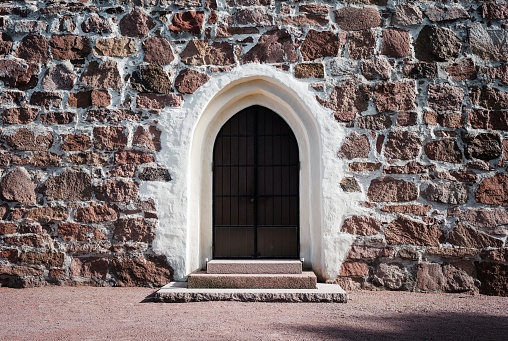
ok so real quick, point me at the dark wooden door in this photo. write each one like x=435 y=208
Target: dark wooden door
x=256 y=187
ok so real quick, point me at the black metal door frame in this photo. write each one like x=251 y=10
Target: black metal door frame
x=256 y=164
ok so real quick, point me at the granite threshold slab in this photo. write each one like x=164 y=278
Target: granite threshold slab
x=177 y=292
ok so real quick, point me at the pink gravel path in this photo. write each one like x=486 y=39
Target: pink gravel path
x=88 y=313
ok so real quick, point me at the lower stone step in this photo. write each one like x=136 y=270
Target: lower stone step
x=178 y=292
x=201 y=279
x=219 y=266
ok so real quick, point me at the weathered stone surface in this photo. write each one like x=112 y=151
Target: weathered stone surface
x=402 y=145
x=32 y=240
x=157 y=51
x=94 y=268
x=449 y=120
x=469 y=237
x=132 y=157
x=141 y=271
x=26 y=140
x=485 y=119
x=435 y=13
x=76 y=142
x=361 y=225
x=151 y=78
x=395 y=96
x=154 y=174
x=309 y=70
x=493 y=11
x=445 y=97
x=19 y=115
x=306 y=19
x=58 y=77
x=390 y=189
x=96 y=24
x=415 y=209
x=374 y=122
x=75 y=232
x=489 y=44
x=462 y=70
x=133 y=229
x=403 y=231
x=69 y=185
x=188 y=81
x=483 y=218
x=407 y=14
x=47 y=100
x=396 y=43
x=147 y=137
x=70 y=47
x=437 y=277
x=95 y=213
x=136 y=24
x=350 y=185
x=7 y=228
x=369 y=252
x=354 y=269
x=318 y=44
x=191 y=21
x=229 y=31
x=355 y=19
x=115 y=47
x=378 y=68
x=57 y=117
x=493 y=190
x=445 y=150
x=274 y=46
x=361 y=44
x=347 y=99
x=198 y=53
x=447 y=193
x=436 y=43
x=109 y=138
x=117 y=190
x=102 y=75
x=19 y=270
x=154 y=101
x=484 y=146
x=364 y=166
x=411 y=167
x=493 y=278
x=453 y=252
x=392 y=277
x=48 y=259
x=254 y=17
x=17 y=186
x=34 y=48
x=17 y=74
x=5 y=44
x=500 y=73
x=420 y=70
x=355 y=146
x=488 y=97
x=48 y=214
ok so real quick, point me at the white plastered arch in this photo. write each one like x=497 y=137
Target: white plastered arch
x=184 y=205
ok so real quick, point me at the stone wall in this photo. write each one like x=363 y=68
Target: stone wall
x=420 y=87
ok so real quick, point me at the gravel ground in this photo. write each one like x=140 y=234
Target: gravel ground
x=88 y=313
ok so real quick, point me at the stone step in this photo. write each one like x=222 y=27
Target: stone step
x=201 y=279
x=228 y=266
x=178 y=292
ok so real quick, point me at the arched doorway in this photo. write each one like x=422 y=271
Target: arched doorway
x=256 y=187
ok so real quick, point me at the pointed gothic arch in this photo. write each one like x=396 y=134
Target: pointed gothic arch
x=236 y=96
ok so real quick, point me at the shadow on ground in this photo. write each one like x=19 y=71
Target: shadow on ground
x=402 y=326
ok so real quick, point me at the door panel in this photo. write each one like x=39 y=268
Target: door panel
x=256 y=195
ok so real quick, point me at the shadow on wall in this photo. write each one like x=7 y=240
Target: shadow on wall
x=403 y=326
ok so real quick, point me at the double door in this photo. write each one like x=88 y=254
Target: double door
x=256 y=187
